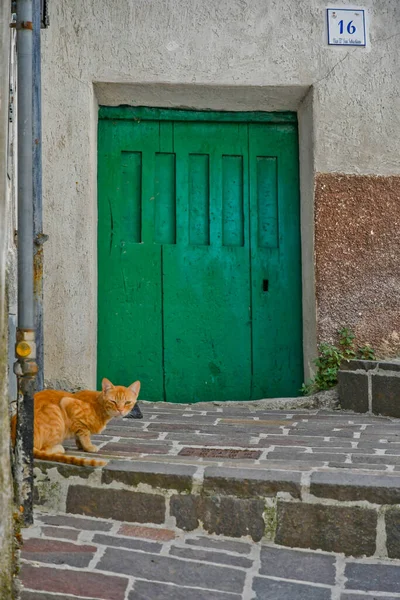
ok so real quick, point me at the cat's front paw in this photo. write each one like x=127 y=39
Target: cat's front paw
x=92 y=448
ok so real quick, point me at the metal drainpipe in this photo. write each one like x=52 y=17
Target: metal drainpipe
x=39 y=237
x=25 y=368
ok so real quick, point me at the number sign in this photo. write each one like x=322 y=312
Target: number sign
x=346 y=27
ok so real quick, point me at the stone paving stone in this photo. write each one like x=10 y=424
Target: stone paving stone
x=60 y=532
x=121 y=505
x=131 y=544
x=173 y=570
x=151 y=533
x=225 y=515
x=386 y=395
x=321 y=456
x=353 y=391
x=145 y=590
x=77 y=522
x=221 y=453
x=373 y=577
x=319 y=432
x=57 y=552
x=250 y=482
x=65 y=469
x=362 y=596
x=161 y=475
x=334 y=451
x=125 y=432
x=210 y=440
x=351 y=530
x=218 y=544
x=376 y=458
x=392 y=521
x=287 y=465
x=360 y=466
x=79 y=583
x=294 y=564
x=210 y=556
x=305 y=442
x=355 y=365
x=377 y=489
x=269 y=589
x=27 y=595
x=132 y=448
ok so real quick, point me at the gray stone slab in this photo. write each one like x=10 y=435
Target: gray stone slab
x=250 y=482
x=294 y=441
x=386 y=395
x=146 y=590
x=220 y=544
x=378 y=459
x=159 y=475
x=172 y=570
x=28 y=595
x=351 y=530
x=131 y=543
x=361 y=596
x=356 y=365
x=295 y=564
x=353 y=391
x=223 y=515
x=358 y=467
x=210 y=556
x=373 y=577
x=306 y=457
x=121 y=505
x=388 y=365
x=269 y=589
x=185 y=510
x=58 y=552
x=61 y=533
x=76 y=522
x=377 y=489
x=392 y=521
x=313 y=431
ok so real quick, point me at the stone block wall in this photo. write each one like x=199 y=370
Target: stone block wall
x=370 y=386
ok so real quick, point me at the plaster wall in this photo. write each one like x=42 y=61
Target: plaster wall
x=226 y=55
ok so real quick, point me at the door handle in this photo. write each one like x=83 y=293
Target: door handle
x=265 y=285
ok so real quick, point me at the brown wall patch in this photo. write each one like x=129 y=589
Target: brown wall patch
x=357 y=250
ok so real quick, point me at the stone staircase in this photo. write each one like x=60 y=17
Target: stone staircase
x=306 y=479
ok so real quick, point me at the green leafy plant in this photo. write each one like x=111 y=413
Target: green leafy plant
x=330 y=358
x=366 y=352
x=346 y=343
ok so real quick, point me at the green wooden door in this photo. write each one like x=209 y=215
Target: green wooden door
x=199 y=255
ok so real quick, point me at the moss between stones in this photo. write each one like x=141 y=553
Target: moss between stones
x=271 y=520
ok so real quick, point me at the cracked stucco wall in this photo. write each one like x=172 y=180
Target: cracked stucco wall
x=231 y=54
x=6 y=530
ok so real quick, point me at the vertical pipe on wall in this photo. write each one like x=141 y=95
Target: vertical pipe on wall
x=39 y=238
x=26 y=367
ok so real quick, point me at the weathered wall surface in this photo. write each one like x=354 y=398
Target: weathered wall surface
x=6 y=540
x=232 y=54
x=357 y=243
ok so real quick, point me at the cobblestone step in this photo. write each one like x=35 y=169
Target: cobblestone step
x=71 y=557
x=323 y=480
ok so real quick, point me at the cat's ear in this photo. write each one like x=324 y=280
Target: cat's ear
x=135 y=387
x=106 y=385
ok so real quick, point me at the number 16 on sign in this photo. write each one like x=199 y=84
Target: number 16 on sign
x=346 y=27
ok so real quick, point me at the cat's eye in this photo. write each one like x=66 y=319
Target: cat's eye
x=127 y=403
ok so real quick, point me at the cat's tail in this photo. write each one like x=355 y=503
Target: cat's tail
x=69 y=459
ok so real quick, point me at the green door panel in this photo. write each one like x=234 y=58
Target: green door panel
x=129 y=264
x=199 y=292
x=275 y=260
x=206 y=274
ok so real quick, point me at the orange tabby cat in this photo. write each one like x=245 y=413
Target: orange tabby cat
x=59 y=416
